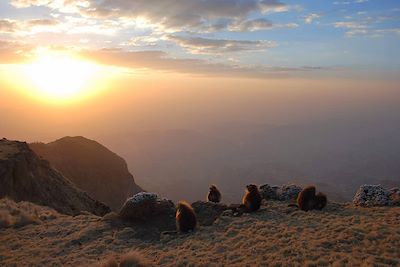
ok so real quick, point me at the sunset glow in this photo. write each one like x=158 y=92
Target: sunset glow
x=59 y=76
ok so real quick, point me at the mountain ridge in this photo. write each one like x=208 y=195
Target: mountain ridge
x=92 y=167
x=24 y=176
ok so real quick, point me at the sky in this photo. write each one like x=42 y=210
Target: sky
x=249 y=38
x=81 y=67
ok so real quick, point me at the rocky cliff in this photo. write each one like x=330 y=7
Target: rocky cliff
x=26 y=177
x=91 y=167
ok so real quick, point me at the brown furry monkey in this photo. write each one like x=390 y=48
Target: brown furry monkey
x=214 y=195
x=320 y=201
x=252 y=198
x=306 y=198
x=185 y=217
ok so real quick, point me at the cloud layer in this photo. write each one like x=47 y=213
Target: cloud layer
x=199 y=45
x=244 y=36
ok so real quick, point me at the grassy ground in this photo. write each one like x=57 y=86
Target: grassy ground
x=277 y=235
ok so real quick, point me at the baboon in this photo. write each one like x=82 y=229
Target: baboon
x=306 y=198
x=214 y=195
x=185 y=217
x=252 y=198
x=320 y=201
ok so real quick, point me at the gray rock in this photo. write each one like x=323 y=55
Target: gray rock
x=288 y=192
x=269 y=192
x=208 y=212
x=372 y=195
x=146 y=206
x=281 y=193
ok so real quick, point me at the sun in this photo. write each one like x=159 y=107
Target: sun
x=60 y=76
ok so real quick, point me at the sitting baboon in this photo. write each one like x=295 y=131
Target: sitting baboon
x=320 y=201
x=252 y=198
x=214 y=195
x=185 y=217
x=308 y=200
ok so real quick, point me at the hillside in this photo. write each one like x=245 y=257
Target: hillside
x=26 y=177
x=91 y=167
x=276 y=235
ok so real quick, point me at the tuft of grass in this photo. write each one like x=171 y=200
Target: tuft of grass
x=134 y=259
x=16 y=215
x=5 y=219
x=131 y=259
x=110 y=262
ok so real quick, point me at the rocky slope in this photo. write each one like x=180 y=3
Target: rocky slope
x=276 y=235
x=26 y=177
x=91 y=167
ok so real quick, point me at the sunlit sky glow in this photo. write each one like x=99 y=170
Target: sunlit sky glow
x=260 y=39
x=266 y=36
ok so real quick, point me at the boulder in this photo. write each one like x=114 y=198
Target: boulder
x=269 y=192
x=208 y=212
x=372 y=195
x=149 y=208
x=281 y=193
x=288 y=192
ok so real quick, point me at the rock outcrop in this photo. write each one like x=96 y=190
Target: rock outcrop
x=376 y=195
x=281 y=193
x=149 y=208
x=26 y=177
x=91 y=167
x=208 y=212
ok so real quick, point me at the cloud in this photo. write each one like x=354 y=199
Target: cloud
x=273 y=6
x=7 y=26
x=158 y=60
x=166 y=15
x=251 y=25
x=13 y=52
x=350 y=25
x=26 y=27
x=354 y=28
x=257 y=25
x=362 y=28
x=67 y=6
x=28 y=3
x=311 y=17
x=42 y=22
x=392 y=30
x=199 y=45
x=349 y=2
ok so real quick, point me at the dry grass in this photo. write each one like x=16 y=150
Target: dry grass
x=134 y=259
x=277 y=235
x=23 y=213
